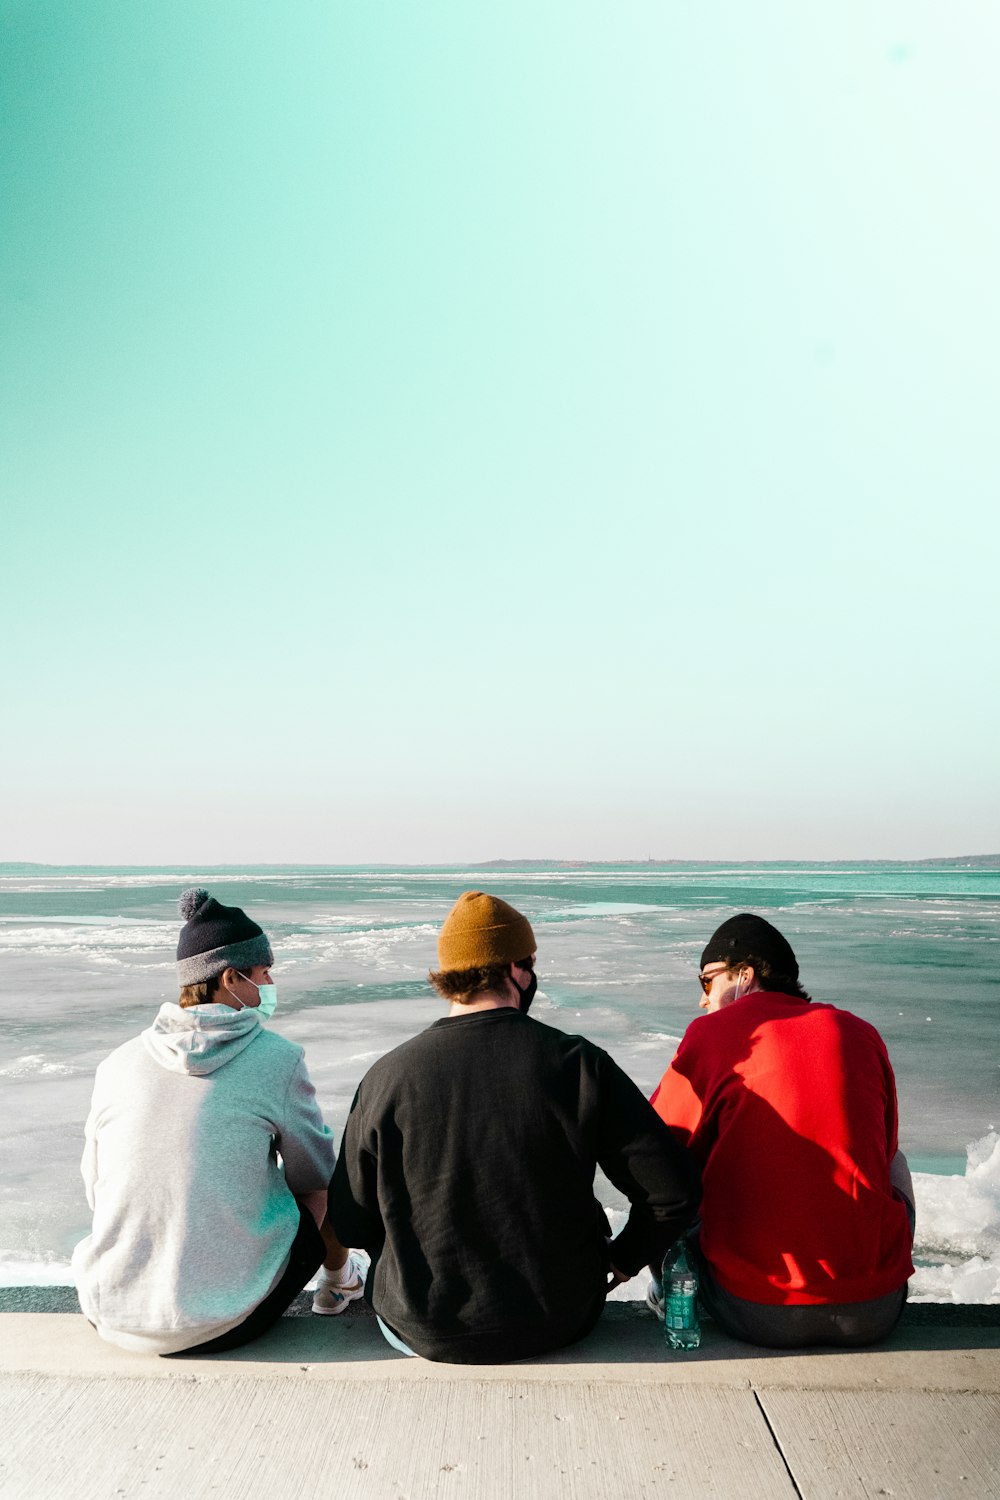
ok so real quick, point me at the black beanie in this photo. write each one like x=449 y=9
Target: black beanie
x=215 y=938
x=746 y=937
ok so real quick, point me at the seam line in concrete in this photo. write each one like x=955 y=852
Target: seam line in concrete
x=774 y=1438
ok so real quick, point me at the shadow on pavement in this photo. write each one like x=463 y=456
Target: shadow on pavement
x=627 y=1334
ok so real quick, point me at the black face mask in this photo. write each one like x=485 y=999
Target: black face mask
x=527 y=994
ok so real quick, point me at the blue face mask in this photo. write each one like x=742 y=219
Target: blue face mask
x=268 y=998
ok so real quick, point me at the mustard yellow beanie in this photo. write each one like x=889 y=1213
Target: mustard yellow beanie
x=481 y=930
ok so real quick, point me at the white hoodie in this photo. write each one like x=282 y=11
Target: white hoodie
x=194 y=1217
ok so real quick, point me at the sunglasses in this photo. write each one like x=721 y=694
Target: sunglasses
x=706 y=980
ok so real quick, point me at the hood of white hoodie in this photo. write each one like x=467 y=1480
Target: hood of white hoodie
x=199 y=1038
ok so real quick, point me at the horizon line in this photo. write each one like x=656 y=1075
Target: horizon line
x=495 y=863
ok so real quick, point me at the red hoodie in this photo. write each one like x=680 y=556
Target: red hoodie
x=790 y=1110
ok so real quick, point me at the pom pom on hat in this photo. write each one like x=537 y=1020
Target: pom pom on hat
x=190 y=901
x=481 y=930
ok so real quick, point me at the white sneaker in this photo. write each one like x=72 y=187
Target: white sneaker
x=654 y=1297
x=330 y=1298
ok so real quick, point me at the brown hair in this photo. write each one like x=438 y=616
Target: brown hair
x=463 y=985
x=200 y=994
x=770 y=977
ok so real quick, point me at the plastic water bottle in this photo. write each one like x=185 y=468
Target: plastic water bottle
x=680 y=1299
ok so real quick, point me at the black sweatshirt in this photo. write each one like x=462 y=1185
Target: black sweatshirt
x=467 y=1170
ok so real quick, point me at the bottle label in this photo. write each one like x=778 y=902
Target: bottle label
x=680 y=1313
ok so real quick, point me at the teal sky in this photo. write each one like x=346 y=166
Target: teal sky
x=444 y=432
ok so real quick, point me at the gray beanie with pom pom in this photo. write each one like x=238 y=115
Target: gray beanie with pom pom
x=215 y=938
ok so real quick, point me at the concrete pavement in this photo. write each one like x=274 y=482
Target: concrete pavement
x=324 y=1407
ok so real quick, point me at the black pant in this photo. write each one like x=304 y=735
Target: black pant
x=307 y=1255
x=845 y=1325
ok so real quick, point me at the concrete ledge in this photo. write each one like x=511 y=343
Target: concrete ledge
x=626 y=1347
x=62 y=1299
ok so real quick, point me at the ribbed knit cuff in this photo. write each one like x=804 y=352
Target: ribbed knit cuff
x=252 y=952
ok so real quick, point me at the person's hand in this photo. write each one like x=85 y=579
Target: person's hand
x=616 y=1277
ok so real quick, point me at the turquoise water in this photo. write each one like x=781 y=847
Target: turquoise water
x=88 y=955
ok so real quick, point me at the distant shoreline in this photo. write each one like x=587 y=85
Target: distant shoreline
x=949 y=862
x=987 y=862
